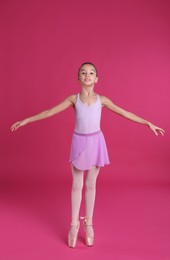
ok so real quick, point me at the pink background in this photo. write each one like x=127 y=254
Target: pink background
x=44 y=43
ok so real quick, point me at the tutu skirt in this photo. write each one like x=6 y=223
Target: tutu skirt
x=88 y=150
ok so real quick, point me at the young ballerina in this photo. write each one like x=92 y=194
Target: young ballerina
x=88 y=148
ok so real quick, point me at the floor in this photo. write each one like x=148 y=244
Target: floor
x=131 y=221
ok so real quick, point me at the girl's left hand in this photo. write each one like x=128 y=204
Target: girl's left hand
x=156 y=129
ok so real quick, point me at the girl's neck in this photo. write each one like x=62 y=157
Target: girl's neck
x=87 y=91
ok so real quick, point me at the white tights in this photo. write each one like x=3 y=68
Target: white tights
x=90 y=191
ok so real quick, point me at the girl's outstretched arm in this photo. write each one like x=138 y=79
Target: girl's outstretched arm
x=69 y=101
x=118 y=110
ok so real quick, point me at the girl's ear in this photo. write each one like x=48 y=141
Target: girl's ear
x=96 y=80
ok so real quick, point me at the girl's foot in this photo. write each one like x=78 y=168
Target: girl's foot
x=89 y=232
x=73 y=233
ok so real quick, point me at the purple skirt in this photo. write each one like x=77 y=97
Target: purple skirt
x=88 y=150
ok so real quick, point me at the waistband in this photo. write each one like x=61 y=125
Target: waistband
x=95 y=133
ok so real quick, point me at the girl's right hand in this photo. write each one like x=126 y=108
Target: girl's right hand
x=18 y=124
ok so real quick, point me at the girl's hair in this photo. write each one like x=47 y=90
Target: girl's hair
x=87 y=63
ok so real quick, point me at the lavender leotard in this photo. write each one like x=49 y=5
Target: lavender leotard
x=87 y=117
x=88 y=146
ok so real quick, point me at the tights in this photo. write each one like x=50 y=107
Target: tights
x=90 y=191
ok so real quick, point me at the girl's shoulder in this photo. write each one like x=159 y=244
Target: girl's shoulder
x=72 y=98
x=102 y=98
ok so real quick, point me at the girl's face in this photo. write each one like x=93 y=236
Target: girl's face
x=87 y=75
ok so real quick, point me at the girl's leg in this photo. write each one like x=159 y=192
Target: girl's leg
x=90 y=193
x=76 y=193
x=76 y=197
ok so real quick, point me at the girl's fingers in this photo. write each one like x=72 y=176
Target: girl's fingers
x=157 y=130
x=15 y=126
x=12 y=127
x=160 y=130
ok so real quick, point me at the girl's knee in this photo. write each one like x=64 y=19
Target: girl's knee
x=77 y=186
x=90 y=184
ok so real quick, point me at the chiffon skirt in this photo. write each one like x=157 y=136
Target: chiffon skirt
x=88 y=150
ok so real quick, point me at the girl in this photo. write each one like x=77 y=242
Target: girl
x=88 y=149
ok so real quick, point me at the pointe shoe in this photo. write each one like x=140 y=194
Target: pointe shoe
x=89 y=232
x=73 y=234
